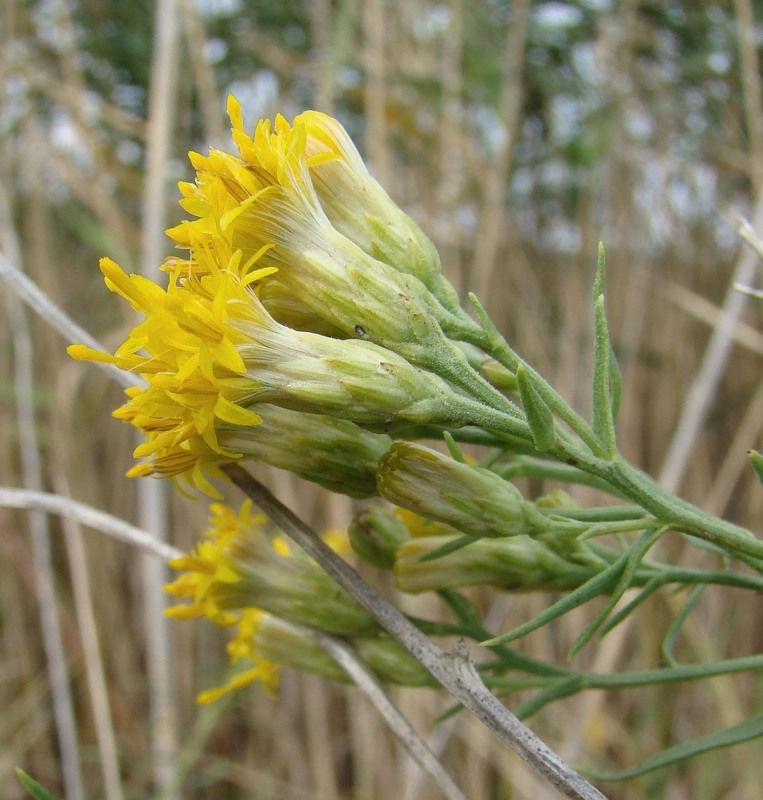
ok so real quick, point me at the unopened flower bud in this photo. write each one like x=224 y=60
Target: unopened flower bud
x=498 y=375
x=475 y=501
x=334 y=453
x=519 y=563
x=375 y=535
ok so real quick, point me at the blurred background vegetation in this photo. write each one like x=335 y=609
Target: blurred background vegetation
x=518 y=133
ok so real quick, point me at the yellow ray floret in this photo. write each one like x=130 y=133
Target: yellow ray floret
x=187 y=351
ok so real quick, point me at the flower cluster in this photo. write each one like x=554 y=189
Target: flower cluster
x=245 y=576
x=427 y=554
x=306 y=289
x=308 y=326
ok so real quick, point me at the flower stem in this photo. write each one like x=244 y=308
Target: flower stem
x=593 y=457
x=681 y=515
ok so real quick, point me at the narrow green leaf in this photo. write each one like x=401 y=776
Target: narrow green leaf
x=655 y=583
x=523 y=466
x=461 y=606
x=563 y=411
x=616 y=383
x=453 y=448
x=593 y=587
x=539 y=417
x=668 y=643
x=756 y=459
x=736 y=734
x=633 y=557
x=604 y=365
x=450 y=547
x=556 y=691
x=31 y=785
x=601 y=269
x=509 y=359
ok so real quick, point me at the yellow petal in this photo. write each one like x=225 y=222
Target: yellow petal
x=81 y=352
x=233 y=108
x=141 y=293
x=234 y=414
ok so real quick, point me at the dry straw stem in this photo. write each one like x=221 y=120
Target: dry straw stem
x=705 y=384
x=454 y=671
x=152 y=498
x=397 y=723
x=26 y=290
x=97 y=682
x=703 y=388
x=27 y=499
x=492 y=217
x=31 y=470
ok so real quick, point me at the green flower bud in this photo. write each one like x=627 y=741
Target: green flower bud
x=518 y=564
x=334 y=453
x=475 y=501
x=358 y=206
x=375 y=535
x=556 y=498
x=498 y=375
x=278 y=641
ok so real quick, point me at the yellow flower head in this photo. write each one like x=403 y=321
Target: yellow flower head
x=299 y=198
x=187 y=350
x=211 y=351
x=211 y=573
x=242 y=648
x=212 y=356
x=240 y=565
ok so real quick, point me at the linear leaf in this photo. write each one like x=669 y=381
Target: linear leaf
x=736 y=734
x=539 y=417
x=31 y=785
x=605 y=371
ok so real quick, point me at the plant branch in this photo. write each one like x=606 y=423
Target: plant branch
x=454 y=671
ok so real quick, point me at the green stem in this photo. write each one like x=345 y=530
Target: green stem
x=599 y=514
x=491 y=341
x=631 y=482
x=527 y=466
x=638 y=487
x=685 y=672
x=662 y=574
x=681 y=515
x=583 y=681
